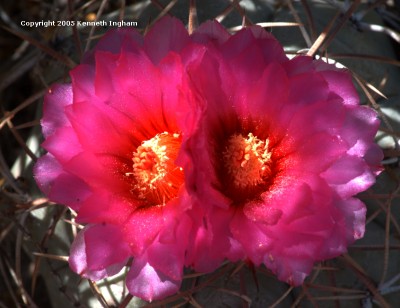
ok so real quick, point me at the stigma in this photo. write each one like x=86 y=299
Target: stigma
x=157 y=178
x=247 y=160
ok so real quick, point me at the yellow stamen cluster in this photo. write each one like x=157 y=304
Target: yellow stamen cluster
x=157 y=177
x=247 y=160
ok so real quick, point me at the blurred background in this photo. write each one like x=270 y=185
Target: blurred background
x=35 y=234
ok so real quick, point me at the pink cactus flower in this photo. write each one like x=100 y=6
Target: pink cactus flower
x=188 y=150
x=282 y=148
x=115 y=138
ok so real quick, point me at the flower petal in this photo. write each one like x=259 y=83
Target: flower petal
x=105 y=207
x=316 y=153
x=115 y=41
x=210 y=32
x=359 y=128
x=63 y=144
x=144 y=281
x=106 y=63
x=82 y=77
x=46 y=171
x=95 y=171
x=340 y=83
x=168 y=258
x=167 y=35
x=142 y=227
x=211 y=239
x=58 y=97
x=354 y=212
x=244 y=229
x=349 y=175
x=78 y=260
x=60 y=186
x=104 y=246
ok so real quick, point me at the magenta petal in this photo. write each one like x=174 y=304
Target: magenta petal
x=237 y=43
x=325 y=122
x=55 y=101
x=359 y=128
x=340 y=83
x=69 y=189
x=326 y=147
x=210 y=240
x=273 y=84
x=169 y=34
x=173 y=105
x=210 y=73
x=92 y=170
x=82 y=77
x=78 y=260
x=129 y=79
x=298 y=96
x=105 y=246
x=168 y=258
x=349 y=175
x=291 y=270
x=63 y=144
x=261 y=212
x=104 y=207
x=142 y=227
x=299 y=65
x=354 y=212
x=271 y=49
x=120 y=39
x=210 y=31
x=45 y=171
x=244 y=229
x=300 y=90
x=248 y=65
x=106 y=63
x=98 y=133
x=147 y=283
x=114 y=41
x=144 y=90
x=373 y=157
x=59 y=185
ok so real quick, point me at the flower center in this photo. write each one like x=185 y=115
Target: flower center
x=247 y=160
x=158 y=179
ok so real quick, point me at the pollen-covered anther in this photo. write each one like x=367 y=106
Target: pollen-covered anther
x=157 y=178
x=247 y=160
